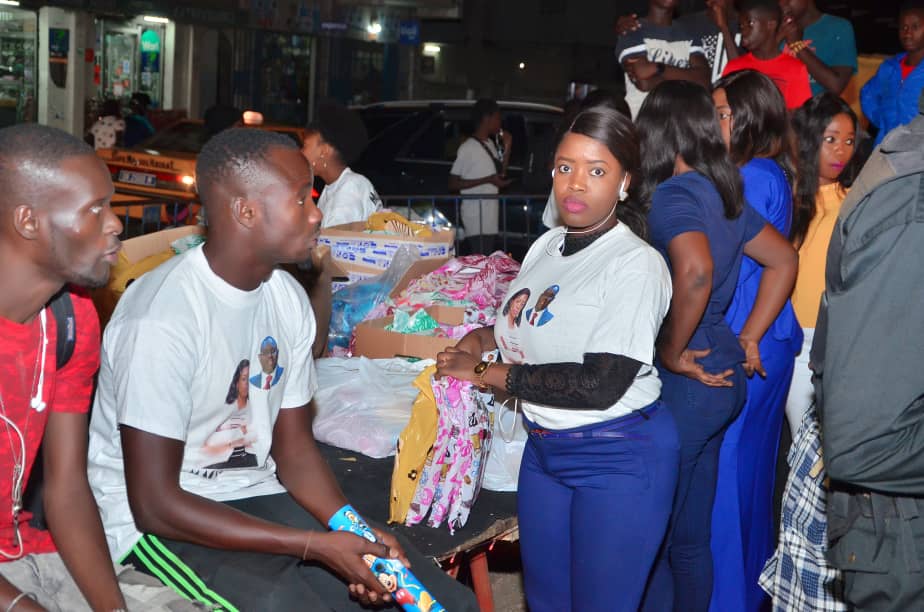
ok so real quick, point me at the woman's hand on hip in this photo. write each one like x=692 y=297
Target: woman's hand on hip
x=686 y=365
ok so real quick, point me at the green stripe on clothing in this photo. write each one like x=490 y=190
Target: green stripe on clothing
x=155 y=569
x=171 y=570
x=191 y=574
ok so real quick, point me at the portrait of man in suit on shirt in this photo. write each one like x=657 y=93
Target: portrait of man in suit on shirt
x=269 y=362
x=539 y=315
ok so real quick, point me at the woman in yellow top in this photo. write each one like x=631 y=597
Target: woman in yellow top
x=825 y=128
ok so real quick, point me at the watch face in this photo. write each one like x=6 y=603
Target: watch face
x=481 y=367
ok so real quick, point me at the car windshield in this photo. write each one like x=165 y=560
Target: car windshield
x=182 y=137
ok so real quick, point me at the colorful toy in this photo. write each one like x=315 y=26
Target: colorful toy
x=404 y=587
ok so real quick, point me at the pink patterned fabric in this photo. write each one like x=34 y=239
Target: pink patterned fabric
x=478 y=279
x=451 y=477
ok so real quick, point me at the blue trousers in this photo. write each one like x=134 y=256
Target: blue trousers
x=682 y=578
x=594 y=504
x=743 y=535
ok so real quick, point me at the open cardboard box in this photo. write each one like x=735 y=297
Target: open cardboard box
x=138 y=255
x=372 y=340
x=350 y=243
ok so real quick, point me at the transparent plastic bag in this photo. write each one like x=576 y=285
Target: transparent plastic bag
x=350 y=305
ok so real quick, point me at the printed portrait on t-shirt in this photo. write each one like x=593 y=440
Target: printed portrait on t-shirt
x=539 y=314
x=513 y=310
x=232 y=442
x=271 y=371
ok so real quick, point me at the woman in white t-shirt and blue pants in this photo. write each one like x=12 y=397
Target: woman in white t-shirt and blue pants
x=600 y=466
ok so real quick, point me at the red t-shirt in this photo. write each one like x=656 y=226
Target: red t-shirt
x=789 y=74
x=906 y=68
x=67 y=390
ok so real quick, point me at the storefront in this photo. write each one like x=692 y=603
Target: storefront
x=130 y=58
x=18 y=44
x=283 y=74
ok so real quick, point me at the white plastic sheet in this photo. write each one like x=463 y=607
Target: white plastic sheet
x=364 y=404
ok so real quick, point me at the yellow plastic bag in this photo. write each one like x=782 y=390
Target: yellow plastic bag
x=414 y=444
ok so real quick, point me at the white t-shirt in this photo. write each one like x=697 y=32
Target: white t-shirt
x=171 y=365
x=609 y=297
x=348 y=199
x=474 y=162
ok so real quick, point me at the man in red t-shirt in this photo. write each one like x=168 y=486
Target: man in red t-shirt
x=56 y=228
x=759 y=21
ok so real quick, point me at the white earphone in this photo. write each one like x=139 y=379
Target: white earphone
x=623 y=194
x=38 y=403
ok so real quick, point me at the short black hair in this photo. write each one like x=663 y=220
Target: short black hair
x=45 y=148
x=770 y=8
x=343 y=129
x=485 y=107
x=40 y=144
x=235 y=153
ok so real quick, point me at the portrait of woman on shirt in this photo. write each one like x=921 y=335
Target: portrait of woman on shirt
x=587 y=384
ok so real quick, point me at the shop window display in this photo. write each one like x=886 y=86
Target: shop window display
x=17 y=66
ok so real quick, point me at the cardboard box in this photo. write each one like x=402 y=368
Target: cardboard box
x=356 y=272
x=372 y=340
x=136 y=249
x=350 y=243
x=138 y=255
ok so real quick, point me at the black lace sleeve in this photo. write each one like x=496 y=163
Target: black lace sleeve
x=596 y=384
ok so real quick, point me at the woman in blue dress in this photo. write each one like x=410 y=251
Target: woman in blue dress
x=752 y=116
x=701 y=225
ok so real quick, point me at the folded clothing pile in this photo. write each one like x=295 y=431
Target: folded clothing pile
x=477 y=283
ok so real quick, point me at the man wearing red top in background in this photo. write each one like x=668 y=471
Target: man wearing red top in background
x=56 y=227
x=760 y=21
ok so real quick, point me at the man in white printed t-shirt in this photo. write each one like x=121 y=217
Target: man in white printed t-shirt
x=204 y=480
x=480 y=168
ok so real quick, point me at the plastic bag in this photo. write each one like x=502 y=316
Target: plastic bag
x=414 y=444
x=363 y=404
x=509 y=440
x=350 y=305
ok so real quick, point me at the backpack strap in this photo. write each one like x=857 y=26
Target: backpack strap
x=63 y=310
x=498 y=165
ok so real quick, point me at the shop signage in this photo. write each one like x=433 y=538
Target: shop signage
x=59 y=45
x=150 y=56
x=333 y=26
x=409 y=32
